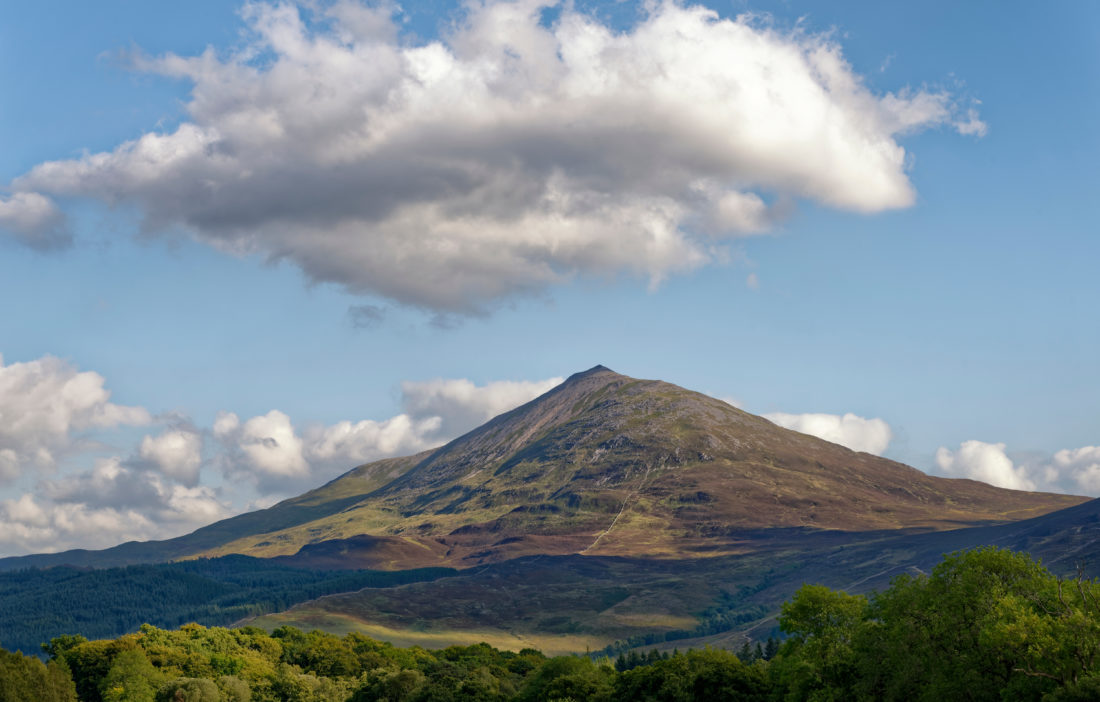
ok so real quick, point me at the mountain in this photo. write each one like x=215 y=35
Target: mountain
x=602 y=465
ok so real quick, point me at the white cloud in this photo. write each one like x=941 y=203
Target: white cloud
x=345 y=444
x=176 y=453
x=972 y=125
x=49 y=412
x=271 y=446
x=269 y=451
x=113 y=484
x=35 y=220
x=26 y=526
x=459 y=405
x=225 y=424
x=103 y=507
x=44 y=405
x=985 y=462
x=855 y=432
x=1075 y=471
x=508 y=156
x=1081 y=465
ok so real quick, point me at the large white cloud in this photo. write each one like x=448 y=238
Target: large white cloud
x=509 y=155
x=277 y=457
x=853 y=431
x=45 y=405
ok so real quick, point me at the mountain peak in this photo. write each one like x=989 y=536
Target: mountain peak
x=606 y=464
x=594 y=371
x=598 y=368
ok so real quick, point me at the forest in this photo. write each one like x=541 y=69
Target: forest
x=987 y=624
x=39 y=604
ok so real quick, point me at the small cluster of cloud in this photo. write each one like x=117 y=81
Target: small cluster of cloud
x=103 y=507
x=35 y=220
x=985 y=462
x=853 y=431
x=507 y=156
x=50 y=414
x=48 y=407
x=1068 y=470
x=176 y=453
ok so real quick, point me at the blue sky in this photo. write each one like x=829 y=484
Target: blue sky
x=946 y=300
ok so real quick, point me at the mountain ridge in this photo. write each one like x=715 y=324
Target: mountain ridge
x=602 y=464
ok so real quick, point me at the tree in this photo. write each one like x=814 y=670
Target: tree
x=189 y=690
x=705 y=676
x=947 y=635
x=568 y=677
x=131 y=678
x=26 y=679
x=820 y=662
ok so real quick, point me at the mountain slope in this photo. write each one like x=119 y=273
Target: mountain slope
x=567 y=603
x=331 y=498
x=603 y=464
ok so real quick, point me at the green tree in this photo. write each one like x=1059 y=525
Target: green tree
x=26 y=679
x=820 y=661
x=569 y=678
x=131 y=678
x=699 y=676
x=234 y=689
x=189 y=690
x=945 y=636
x=390 y=686
x=90 y=661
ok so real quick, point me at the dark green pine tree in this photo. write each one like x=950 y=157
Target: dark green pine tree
x=745 y=653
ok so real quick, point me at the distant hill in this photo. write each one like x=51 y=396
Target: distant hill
x=602 y=465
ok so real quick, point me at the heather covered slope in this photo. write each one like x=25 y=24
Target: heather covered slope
x=569 y=603
x=605 y=464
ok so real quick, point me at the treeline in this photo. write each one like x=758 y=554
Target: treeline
x=987 y=624
x=984 y=625
x=199 y=664
x=39 y=604
x=726 y=614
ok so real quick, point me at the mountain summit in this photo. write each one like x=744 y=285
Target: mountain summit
x=611 y=465
x=604 y=464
